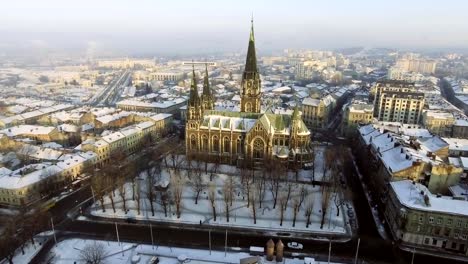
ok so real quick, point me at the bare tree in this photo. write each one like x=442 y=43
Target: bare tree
x=98 y=183
x=326 y=193
x=110 y=182
x=253 y=200
x=138 y=197
x=197 y=184
x=123 y=192
x=295 y=207
x=247 y=189
x=283 y=204
x=227 y=195
x=164 y=200
x=212 y=198
x=274 y=182
x=9 y=242
x=177 y=186
x=309 y=206
x=153 y=175
x=303 y=193
x=260 y=189
x=214 y=169
x=93 y=253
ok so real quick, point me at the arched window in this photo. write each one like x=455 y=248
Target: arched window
x=248 y=107
x=258 y=148
x=239 y=145
x=205 y=142
x=227 y=144
x=215 y=144
x=193 y=142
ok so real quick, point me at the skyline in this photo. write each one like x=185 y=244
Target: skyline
x=187 y=27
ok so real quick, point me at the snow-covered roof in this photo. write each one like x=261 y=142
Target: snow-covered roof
x=27 y=129
x=432 y=144
x=457 y=144
x=409 y=195
x=161 y=116
x=311 y=101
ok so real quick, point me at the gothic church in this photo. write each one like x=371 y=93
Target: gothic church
x=248 y=137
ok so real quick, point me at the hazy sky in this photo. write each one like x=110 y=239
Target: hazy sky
x=178 y=26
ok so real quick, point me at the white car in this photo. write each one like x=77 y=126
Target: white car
x=295 y=245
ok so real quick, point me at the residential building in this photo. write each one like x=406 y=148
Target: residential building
x=397 y=101
x=427 y=222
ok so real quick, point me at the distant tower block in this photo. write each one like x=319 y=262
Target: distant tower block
x=270 y=250
x=279 y=251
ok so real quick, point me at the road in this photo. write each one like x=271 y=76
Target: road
x=111 y=94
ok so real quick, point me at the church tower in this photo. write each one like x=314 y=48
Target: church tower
x=207 y=97
x=194 y=106
x=251 y=84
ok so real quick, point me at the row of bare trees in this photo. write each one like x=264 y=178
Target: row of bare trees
x=20 y=230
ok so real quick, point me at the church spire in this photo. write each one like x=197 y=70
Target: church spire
x=206 y=82
x=251 y=61
x=194 y=98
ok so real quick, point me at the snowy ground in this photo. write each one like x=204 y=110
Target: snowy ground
x=69 y=251
x=268 y=218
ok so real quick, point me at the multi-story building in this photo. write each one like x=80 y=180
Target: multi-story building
x=426 y=222
x=315 y=112
x=356 y=114
x=398 y=101
x=173 y=76
x=248 y=137
x=169 y=106
x=439 y=123
x=417 y=65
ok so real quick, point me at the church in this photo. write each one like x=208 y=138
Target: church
x=249 y=137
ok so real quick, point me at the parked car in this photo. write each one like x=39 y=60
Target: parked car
x=295 y=245
x=154 y=260
x=131 y=220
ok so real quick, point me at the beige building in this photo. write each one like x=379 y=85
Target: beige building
x=427 y=222
x=419 y=65
x=397 y=101
x=356 y=114
x=439 y=123
x=315 y=112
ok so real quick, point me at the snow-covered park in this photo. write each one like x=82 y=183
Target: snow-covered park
x=78 y=250
x=228 y=199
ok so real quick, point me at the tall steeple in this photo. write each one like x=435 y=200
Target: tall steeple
x=194 y=107
x=194 y=98
x=251 y=84
x=207 y=97
x=251 y=61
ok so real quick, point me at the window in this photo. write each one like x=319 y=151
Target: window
x=421 y=219
x=464 y=236
x=205 y=142
x=439 y=221
x=426 y=240
x=258 y=148
x=215 y=144
x=450 y=222
x=193 y=142
x=226 y=144
x=431 y=220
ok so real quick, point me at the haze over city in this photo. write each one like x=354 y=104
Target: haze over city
x=240 y=132
x=145 y=27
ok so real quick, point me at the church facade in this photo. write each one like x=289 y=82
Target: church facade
x=248 y=137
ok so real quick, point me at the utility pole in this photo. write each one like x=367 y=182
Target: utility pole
x=53 y=230
x=225 y=244
x=118 y=238
x=151 y=232
x=209 y=239
x=412 y=257
x=92 y=192
x=329 y=251
x=357 y=251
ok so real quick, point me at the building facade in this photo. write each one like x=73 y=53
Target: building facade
x=398 y=101
x=248 y=137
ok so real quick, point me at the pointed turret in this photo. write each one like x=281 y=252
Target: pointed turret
x=207 y=97
x=194 y=99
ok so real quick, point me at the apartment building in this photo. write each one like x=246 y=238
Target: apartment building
x=427 y=222
x=397 y=101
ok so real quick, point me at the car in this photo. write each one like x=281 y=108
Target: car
x=131 y=220
x=295 y=245
x=154 y=260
